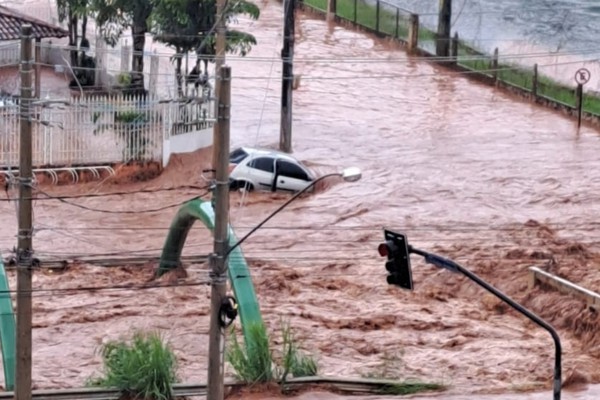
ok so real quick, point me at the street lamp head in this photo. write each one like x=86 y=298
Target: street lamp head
x=351 y=174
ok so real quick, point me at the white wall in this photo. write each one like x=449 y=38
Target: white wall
x=186 y=143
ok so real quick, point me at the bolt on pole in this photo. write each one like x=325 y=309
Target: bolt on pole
x=24 y=245
x=218 y=260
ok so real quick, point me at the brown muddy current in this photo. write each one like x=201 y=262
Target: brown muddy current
x=492 y=181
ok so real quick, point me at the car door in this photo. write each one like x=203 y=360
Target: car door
x=261 y=171
x=291 y=176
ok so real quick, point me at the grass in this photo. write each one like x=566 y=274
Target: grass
x=396 y=25
x=405 y=388
x=144 y=368
x=392 y=21
x=255 y=364
x=252 y=363
x=294 y=361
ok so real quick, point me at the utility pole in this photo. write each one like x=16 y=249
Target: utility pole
x=218 y=260
x=24 y=245
x=287 y=55
x=219 y=62
x=442 y=47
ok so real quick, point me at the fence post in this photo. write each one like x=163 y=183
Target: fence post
x=397 y=23
x=534 y=83
x=125 y=56
x=153 y=75
x=378 y=6
x=495 y=65
x=413 y=32
x=454 y=48
x=331 y=9
x=355 y=11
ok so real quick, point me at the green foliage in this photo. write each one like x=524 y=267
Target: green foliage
x=189 y=25
x=252 y=363
x=404 y=388
x=145 y=368
x=113 y=17
x=130 y=116
x=294 y=361
x=124 y=79
x=71 y=8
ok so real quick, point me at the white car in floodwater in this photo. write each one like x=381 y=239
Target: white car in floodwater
x=267 y=170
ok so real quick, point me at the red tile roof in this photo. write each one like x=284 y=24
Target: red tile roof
x=11 y=21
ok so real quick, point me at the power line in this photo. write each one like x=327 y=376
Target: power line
x=90 y=195
x=62 y=200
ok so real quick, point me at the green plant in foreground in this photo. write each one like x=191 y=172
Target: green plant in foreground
x=252 y=363
x=144 y=368
x=294 y=361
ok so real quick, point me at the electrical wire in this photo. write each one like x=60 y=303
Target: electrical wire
x=91 y=195
x=62 y=200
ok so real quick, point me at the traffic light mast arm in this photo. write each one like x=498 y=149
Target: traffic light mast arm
x=442 y=262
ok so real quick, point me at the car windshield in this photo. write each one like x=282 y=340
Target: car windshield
x=237 y=156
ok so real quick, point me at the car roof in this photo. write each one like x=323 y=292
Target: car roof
x=265 y=152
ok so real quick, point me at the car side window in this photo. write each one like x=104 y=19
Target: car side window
x=286 y=168
x=262 y=163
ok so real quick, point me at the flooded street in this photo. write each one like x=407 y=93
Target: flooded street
x=466 y=171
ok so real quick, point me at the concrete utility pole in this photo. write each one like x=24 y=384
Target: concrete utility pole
x=442 y=47
x=220 y=44
x=24 y=245
x=218 y=260
x=287 y=55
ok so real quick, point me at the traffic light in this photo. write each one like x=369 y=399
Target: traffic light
x=395 y=248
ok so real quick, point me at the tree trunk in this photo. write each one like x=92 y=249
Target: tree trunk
x=178 y=75
x=137 y=60
x=73 y=39
x=84 y=29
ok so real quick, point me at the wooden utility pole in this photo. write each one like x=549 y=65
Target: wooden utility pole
x=220 y=45
x=218 y=262
x=442 y=47
x=24 y=246
x=287 y=55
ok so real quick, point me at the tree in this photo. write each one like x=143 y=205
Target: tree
x=189 y=26
x=113 y=18
x=72 y=11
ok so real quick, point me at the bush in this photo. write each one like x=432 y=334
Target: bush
x=143 y=369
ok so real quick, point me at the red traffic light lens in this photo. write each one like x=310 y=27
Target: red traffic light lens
x=383 y=250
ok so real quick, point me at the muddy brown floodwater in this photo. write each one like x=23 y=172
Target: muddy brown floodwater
x=494 y=182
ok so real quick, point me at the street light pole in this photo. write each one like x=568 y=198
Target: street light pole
x=351 y=174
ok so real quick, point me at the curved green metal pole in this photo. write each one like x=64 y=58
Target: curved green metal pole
x=239 y=273
x=7 y=330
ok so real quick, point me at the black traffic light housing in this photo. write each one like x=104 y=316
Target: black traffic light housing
x=395 y=247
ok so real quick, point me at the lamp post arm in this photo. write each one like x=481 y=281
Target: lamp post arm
x=284 y=205
x=442 y=262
